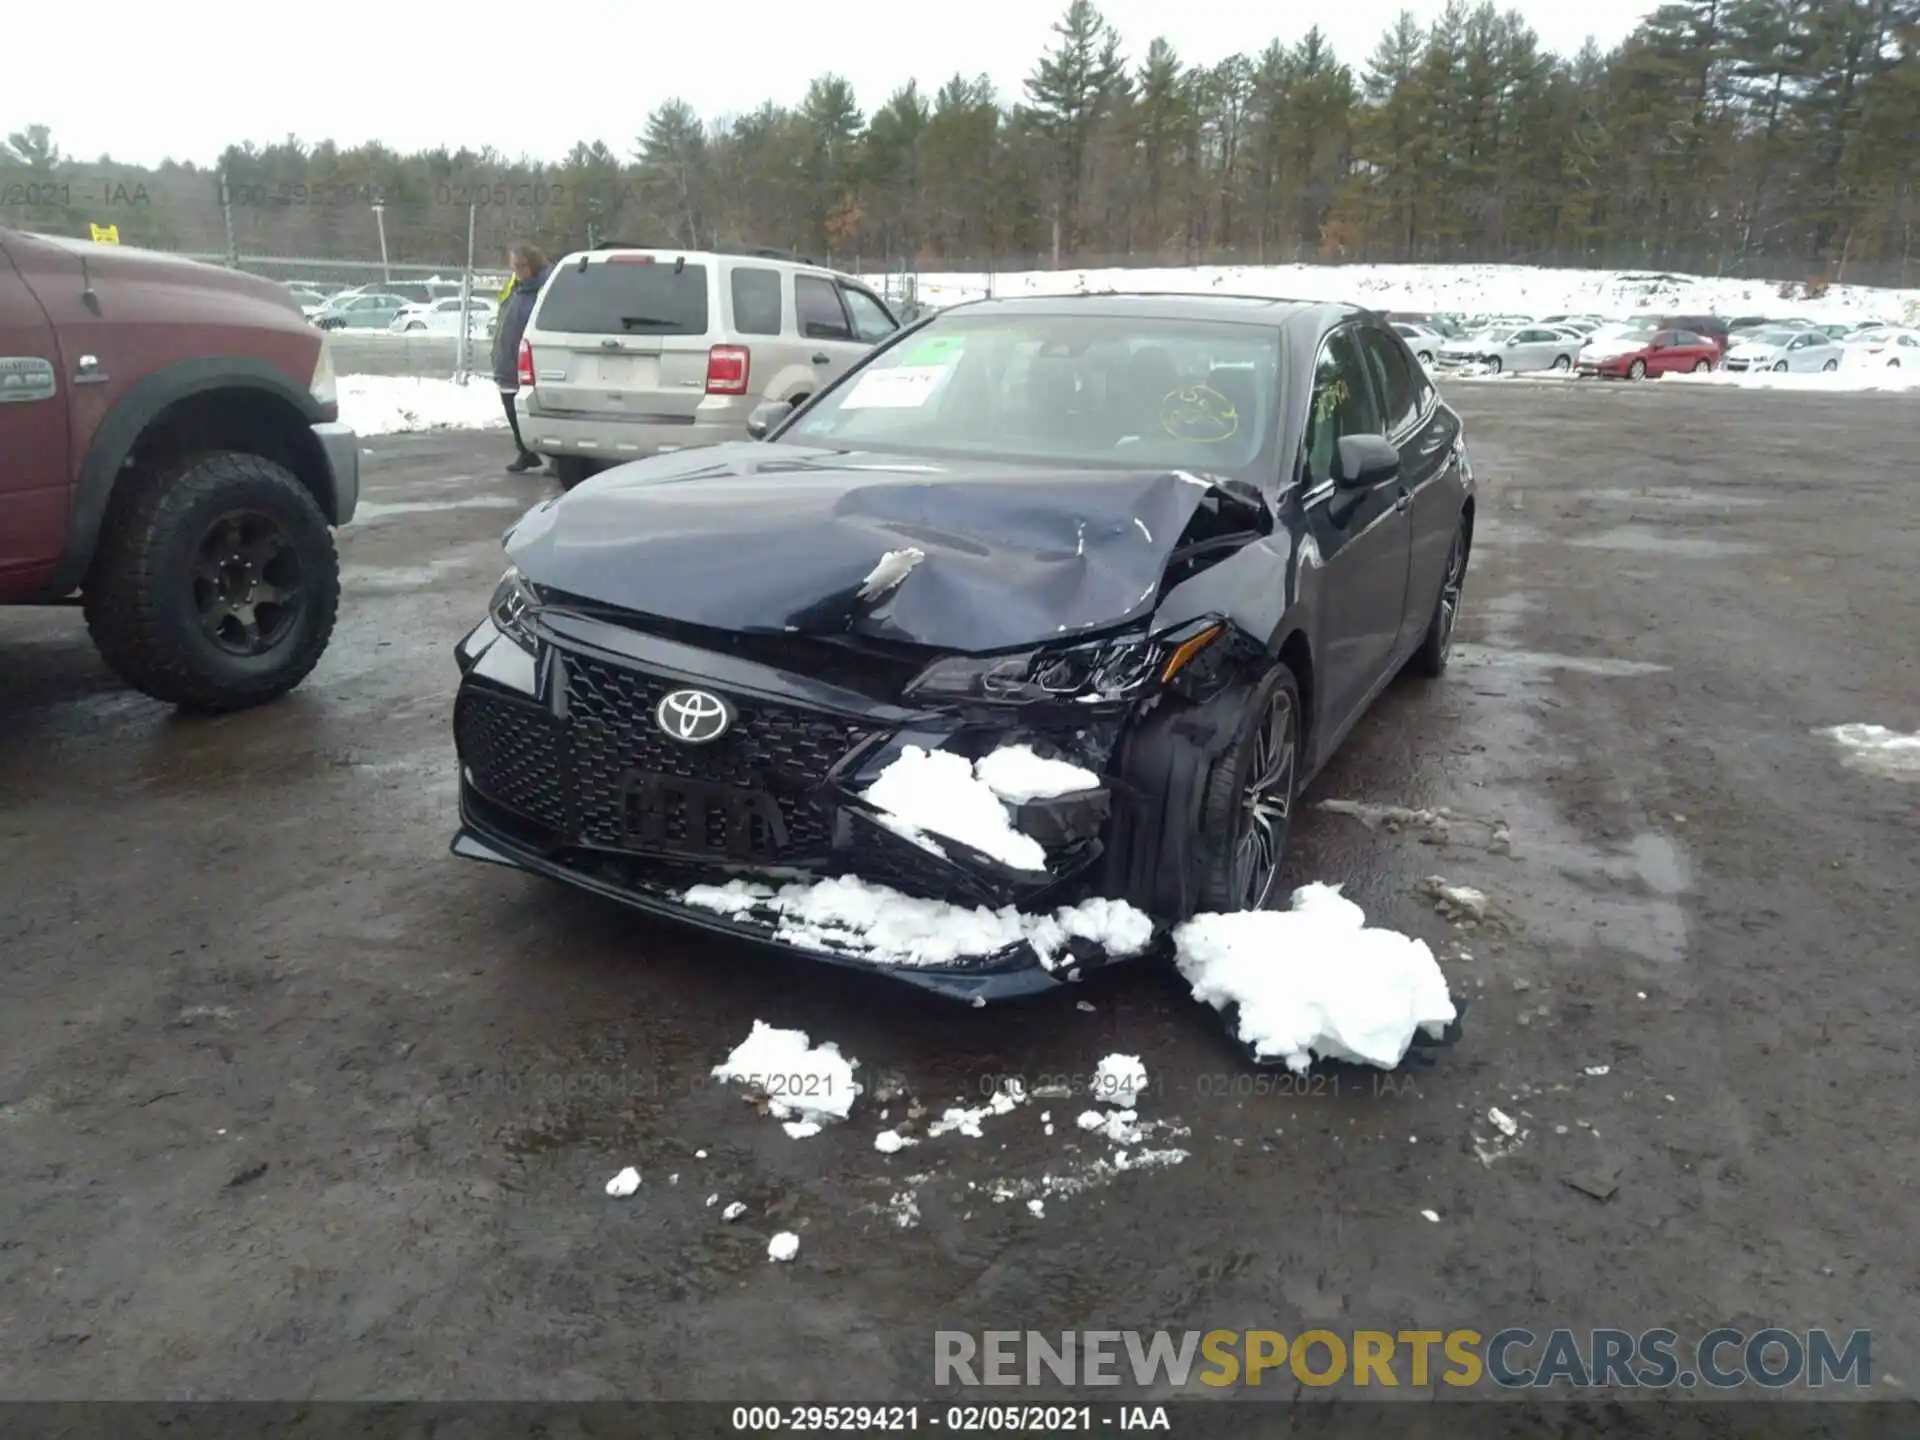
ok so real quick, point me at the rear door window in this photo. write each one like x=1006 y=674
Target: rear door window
x=822 y=317
x=624 y=297
x=758 y=308
x=1399 y=397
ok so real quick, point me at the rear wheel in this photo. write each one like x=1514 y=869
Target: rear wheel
x=1700 y=367
x=1247 y=811
x=1430 y=659
x=216 y=582
x=1637 y=370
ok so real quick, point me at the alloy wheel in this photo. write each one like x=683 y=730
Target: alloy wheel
x=1563 y=362
x=1450 y=591
x=246 y=583
x=1637 y=370
x=1267 y=803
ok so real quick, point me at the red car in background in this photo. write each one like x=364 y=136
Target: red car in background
x=1644 y=353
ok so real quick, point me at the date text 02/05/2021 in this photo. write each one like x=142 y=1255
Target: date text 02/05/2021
x=955 y=1419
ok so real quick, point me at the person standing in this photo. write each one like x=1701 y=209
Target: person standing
x=530 y=267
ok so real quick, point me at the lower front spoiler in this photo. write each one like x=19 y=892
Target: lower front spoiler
x=1008 y=975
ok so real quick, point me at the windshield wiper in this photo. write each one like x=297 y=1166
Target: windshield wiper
x=632 y=321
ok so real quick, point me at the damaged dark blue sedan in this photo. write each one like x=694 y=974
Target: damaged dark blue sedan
x=993 y=659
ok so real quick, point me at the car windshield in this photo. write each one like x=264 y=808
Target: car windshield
x=1774 y=337
x=1081 y=389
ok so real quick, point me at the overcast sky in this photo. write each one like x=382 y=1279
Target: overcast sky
x=184 y=81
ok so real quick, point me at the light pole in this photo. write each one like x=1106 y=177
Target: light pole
x=380 y=219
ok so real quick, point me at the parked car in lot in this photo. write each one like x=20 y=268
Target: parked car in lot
x=631 y=351
x=442 y=317
x=171 y=454
x=1640 y=353
x=1177 y=543
x=1531 y=347
x=359 y=312
x=1882 y=346
x=1423 y=340
x=310 y=300
x=1784 y=349
x=1713 y=328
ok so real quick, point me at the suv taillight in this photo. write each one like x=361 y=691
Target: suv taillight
x=526 y=365
x=727 y=367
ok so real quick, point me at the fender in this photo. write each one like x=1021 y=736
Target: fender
x=145 y=400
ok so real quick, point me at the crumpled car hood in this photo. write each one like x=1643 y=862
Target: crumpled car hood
x=763 y=537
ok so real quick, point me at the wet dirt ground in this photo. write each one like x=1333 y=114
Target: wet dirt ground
x=294 y=1104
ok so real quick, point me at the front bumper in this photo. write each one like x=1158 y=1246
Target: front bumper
x=564 y=774
x=341 y=448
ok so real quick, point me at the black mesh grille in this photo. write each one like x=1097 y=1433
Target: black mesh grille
x=575 y=776
x=513 y=751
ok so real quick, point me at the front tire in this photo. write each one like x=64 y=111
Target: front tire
x=1700 y=367
x=1247 y=810
x=1493 y=365
x=1780 y=368
x=1563 y=362
x=1430 y=660
x=1831 y=366
x=216 y=582
x=1637 y=370
x=570 y=470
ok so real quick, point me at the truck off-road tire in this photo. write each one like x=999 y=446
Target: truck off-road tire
x=570 y=470
x=1248 y=808
x=215 y=583
x=1430 y=660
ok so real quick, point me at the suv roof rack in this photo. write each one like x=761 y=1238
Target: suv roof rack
x=757 y=252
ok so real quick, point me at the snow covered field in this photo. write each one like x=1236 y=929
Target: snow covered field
x=1466 y=289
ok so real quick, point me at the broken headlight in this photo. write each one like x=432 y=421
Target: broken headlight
x=512 y=598
x=1103 y=670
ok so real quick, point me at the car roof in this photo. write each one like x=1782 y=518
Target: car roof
x=1174 y=305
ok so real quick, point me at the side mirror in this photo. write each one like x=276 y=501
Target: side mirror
x=765 y=416
x=1362 y=461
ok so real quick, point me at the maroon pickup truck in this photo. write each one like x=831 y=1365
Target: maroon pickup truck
x=170 y=456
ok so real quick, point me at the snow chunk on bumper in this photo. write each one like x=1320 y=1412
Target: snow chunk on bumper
x=1016 y=774
x=936 y=793
x=803 y=1082
x=1315 y=981
x=858 y=917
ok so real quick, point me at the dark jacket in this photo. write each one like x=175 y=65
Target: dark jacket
x=511 y=325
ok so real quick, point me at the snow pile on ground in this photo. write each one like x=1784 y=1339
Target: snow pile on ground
x=1017 y=774
x=1119 y=1080
x=1847 y=379
x=966 y=1119
x=1876 y=750
x=389 y=404
x=624 y=1184
x=1465 y=289
x=783 y=1246
x=804 y=1084
x=1315 y=981
x=857 y=917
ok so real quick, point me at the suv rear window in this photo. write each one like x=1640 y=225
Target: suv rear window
x=623 y=298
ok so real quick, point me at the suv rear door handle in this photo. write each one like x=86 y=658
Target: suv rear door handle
x=820 y=357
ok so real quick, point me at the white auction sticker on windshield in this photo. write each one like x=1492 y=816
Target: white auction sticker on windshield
x=898 y=387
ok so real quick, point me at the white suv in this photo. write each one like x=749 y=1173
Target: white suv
x=634 y=351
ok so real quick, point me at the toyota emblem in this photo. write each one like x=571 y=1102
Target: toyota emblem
x=693 y=717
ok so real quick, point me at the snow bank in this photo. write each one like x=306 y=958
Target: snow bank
x=1465 y=289
x=1314 y=981
x=935 y=791
x=1877 y=750
x=1119 y=1080
x=803 y=1083
x=1848 y=379
x=857 y=917
x=389 y=404
x=1016 y=774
